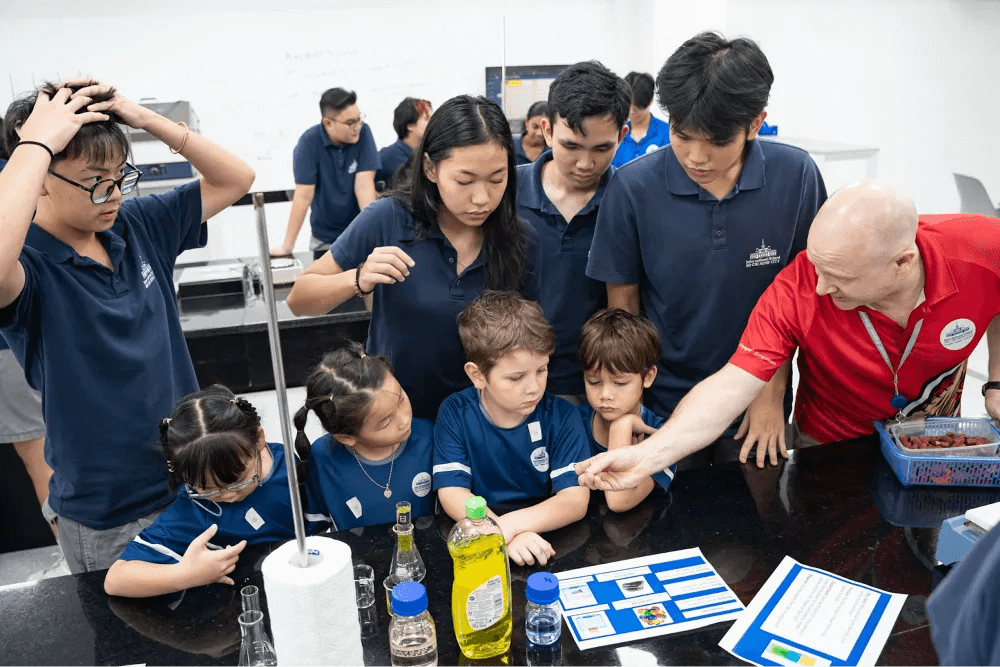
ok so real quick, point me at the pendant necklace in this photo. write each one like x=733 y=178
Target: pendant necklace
x=387 y=492
x=898 y=401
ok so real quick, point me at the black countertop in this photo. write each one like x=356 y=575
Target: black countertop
x=836 y=507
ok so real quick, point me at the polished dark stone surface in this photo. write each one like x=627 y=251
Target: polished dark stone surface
x=227 y=337
x=819 y=508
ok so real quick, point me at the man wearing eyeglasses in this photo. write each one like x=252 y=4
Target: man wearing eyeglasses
x=334 y=165
x=87 y=300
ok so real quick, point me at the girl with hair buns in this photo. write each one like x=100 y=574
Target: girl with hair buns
x=374 y=454
x=233 y=491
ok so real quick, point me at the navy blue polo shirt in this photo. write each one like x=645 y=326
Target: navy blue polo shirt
x=106 y=350
x=331 y=168
x=520 y=157
x=392 y=158
x=263 y=516
x=415 y=322
x=342 y=485
x=657 y=136
x=568 y=296
x=700 y=263
x=964 y=610
x=533 y=460
x=664 y=477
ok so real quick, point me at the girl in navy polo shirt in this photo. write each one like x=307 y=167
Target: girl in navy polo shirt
x=233 y=492
x=429 y=249
x=374 y=454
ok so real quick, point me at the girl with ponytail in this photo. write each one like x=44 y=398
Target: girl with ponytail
x=232 y=491
x=374 y=454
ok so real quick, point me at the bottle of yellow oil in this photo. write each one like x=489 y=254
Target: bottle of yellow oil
x=480 y=597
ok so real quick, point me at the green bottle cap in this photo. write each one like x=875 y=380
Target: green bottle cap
x=475 y=507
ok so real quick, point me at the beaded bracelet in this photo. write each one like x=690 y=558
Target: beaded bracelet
x=357 y=283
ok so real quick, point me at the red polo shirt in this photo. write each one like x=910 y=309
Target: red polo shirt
x=844 y=382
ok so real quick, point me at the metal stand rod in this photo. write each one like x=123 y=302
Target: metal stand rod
x=278 y=365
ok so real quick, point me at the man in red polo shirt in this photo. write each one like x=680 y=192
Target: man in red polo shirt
x=885 y=309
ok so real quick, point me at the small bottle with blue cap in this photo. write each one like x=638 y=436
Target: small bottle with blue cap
x=542 y=619
x=412 y=636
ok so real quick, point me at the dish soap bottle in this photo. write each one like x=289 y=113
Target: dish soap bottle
x=407 y=565
x=480 y=597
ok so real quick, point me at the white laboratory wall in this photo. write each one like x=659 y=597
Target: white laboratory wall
x=916 y=78
x=908 y=76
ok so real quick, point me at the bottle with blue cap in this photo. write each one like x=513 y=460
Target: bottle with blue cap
x=412 y=637
x=542 y=620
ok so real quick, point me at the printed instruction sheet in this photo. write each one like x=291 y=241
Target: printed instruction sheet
x=644 y=597
x=804 y=617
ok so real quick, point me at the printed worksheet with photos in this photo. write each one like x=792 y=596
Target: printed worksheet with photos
x=644 y=597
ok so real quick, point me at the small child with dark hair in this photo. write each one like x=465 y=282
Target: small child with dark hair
x=233 y=492
x=374 y=454
x=505 y=438
x=618 y=352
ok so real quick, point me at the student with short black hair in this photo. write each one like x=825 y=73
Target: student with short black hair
x=369 y=429
x=646 y=132
x=409 y=120
x=694 y=233
x=430 y=248
x=233 y=492
x=530 y=143
x=506 y=438
x=560 y=195
x=87 y=299
x=618 y=352
x=334 y=164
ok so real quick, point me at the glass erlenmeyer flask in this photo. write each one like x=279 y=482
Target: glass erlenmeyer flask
x=256 y=648
x=407 y=565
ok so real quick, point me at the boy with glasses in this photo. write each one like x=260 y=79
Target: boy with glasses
x=87 y=300
x=334 y=165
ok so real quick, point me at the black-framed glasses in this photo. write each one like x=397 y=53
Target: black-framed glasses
x=353 y=123
x=239 y=486
x=100 y=191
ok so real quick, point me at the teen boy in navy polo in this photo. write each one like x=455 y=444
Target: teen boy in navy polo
x=87 y=300
x=334 y=165
x=506 y=438
x=409 y=121
x=646 y=132
x=694 y=233
x=559 y=194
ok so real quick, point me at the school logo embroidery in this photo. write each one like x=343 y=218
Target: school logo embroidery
x=353 y=168
x=957 y=334
x=652 y=148
x=540 y=459
x=147 y=273
x=421 y=484
x=763 y=256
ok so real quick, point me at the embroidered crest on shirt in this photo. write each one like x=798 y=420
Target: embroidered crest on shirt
x=763 y=256
x=353 y=168
x=147 y=273
x=957 y=334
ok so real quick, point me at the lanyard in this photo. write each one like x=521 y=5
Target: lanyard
x=898 y=400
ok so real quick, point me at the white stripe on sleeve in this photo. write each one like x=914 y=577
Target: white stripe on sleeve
x=562 y=471
x=452 y=467
x=159 y=547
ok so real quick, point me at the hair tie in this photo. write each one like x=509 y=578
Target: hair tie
x=165 y=421
x=235 y=401
x=170 y=466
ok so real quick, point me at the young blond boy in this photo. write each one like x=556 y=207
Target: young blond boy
x=505 y=438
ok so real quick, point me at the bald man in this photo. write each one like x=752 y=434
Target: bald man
x=874 y=277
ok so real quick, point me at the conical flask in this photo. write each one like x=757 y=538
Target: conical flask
x=407 y=565
x=257 y=648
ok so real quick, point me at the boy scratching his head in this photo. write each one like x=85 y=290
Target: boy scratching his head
x=505 y=438
x=618 y=353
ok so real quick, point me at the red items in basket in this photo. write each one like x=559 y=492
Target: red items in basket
x=945 y=441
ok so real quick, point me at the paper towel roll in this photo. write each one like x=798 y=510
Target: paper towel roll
x=313 y=610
